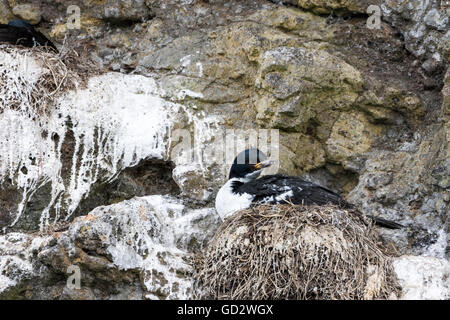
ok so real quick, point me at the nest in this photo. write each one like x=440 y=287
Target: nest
x=294 y=252
x=32 y=78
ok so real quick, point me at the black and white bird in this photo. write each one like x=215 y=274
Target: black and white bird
x=243 y=189
x=19 y=32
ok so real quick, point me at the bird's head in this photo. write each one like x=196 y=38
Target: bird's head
x=248 y=165
x=21 y=24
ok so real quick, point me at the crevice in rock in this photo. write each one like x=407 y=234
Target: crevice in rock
x=148 y=177
x=124 y=23
x=335 y=177
x=10 y=196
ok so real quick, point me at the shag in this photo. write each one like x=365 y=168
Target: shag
x=19 y=32
x=243 y=189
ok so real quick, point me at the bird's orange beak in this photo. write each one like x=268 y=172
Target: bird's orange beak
x=263 y=164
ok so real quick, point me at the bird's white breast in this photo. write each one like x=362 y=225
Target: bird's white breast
x=228 y=202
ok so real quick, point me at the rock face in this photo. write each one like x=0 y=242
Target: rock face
x=5 y=12
x=131 y=250
x=425 y=26
x=91 y=136
x=363 y=111
x=28 y=12
x=324 y=6
x=423 y=277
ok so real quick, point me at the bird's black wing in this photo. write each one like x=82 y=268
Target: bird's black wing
x=24 y=37
x=15 y=36
x=42 y=40
x=268 y=188
x=292 y=189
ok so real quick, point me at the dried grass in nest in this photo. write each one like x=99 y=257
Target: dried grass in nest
x=59 y=72
x=294 y=252
x=77 y=58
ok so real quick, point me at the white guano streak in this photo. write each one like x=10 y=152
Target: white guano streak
x=117 y=121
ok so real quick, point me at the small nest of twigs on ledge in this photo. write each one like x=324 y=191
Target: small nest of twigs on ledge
x=32 y=78
x=294 y=252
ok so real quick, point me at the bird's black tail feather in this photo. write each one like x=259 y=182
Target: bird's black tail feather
x=377 y=220
x=386 y=223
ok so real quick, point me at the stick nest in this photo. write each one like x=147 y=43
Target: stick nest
x=32 y=78
x=294 y=252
